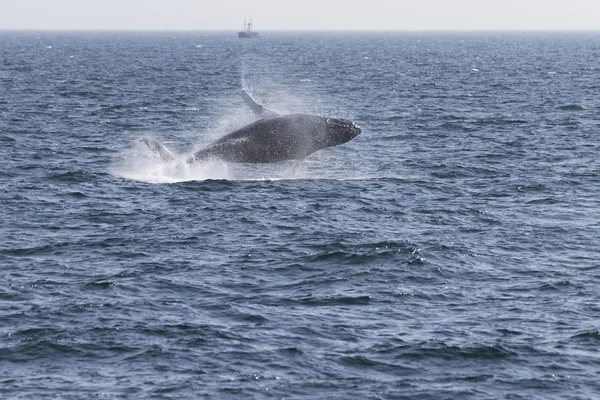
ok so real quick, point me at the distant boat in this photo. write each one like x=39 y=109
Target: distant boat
x=247 y=33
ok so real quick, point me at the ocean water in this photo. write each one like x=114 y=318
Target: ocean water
x=451 y=251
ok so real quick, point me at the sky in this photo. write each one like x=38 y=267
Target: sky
x=269 y=15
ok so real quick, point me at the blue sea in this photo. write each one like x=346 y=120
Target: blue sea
x=451 y=251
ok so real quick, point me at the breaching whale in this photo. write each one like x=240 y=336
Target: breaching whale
x=271 y=138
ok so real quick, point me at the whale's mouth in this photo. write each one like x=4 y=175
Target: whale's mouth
x=355 y=129
x=342 y=129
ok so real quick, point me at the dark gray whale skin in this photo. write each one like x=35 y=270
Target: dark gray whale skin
x=272 y=138
x=280 y=138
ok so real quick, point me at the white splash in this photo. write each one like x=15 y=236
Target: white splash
x=141 y=164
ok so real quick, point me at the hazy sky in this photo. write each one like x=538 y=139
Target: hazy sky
x=302 y=14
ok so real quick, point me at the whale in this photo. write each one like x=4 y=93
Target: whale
x=270 y=138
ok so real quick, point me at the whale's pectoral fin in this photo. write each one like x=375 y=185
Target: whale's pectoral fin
x=159 y=149
x=290 y=173
x=258 y=110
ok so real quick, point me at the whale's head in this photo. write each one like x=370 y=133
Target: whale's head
x=340 y=130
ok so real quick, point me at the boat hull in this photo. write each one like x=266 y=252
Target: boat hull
x=247 y=35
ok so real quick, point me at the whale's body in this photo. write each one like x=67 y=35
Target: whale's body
x=272 y=138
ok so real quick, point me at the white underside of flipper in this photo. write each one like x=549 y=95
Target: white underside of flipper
x=259 y=111
x=159 y=149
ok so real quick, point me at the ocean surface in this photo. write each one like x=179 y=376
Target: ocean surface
x=451 y=251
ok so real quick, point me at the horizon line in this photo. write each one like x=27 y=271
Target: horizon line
x=224 y=30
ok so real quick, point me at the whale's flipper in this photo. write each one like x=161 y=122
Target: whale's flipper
x=159 y=149
x=290 y=173
x=258 y=110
